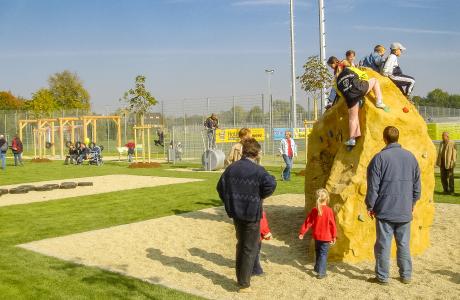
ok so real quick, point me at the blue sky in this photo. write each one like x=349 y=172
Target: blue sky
x=207 y=48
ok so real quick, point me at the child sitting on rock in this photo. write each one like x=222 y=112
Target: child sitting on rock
x=265 y=234
x=391 y=69
x=321 y=219
x=353 y=84
x=375 y=60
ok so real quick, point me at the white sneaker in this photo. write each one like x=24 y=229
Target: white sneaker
x=380 y=105
x=350 y=142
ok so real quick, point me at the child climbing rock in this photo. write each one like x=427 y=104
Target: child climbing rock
x=321 y=219
x=375 y=60
x=350 y=57
x=391 y=69
x=353 y=84
x=265 y=234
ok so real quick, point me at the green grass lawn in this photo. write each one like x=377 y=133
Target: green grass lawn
x=27 y=275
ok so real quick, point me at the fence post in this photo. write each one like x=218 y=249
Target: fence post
x=234 y=112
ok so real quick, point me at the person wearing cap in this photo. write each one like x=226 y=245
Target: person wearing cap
x=392 y=70
x=211 y=124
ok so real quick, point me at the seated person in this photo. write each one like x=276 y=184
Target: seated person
x=83 y=153
x=353 y=84
x=391 y=69
x=350 y=57
x=375 y=60
x=72 y=156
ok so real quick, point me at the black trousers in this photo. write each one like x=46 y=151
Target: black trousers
x=247 y=248
x=447 y=179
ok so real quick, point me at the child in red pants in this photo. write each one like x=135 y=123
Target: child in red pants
x=321 y=219
x=265 y=234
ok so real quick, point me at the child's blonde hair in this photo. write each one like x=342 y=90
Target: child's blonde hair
x=379 y=49
x=322 y=196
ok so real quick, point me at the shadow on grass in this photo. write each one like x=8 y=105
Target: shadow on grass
x=186 y=266
x=453 y=276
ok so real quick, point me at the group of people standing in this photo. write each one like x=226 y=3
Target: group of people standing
x=245 y=184
x=16 y=148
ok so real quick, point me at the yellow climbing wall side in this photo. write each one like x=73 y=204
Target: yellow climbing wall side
x=343 y=172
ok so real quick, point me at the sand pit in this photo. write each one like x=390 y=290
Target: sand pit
x=194 y=252
x=102 y=184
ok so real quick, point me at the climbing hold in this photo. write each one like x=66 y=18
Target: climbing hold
x=405 y=109
x=331 y=134
x=360 y=218
x=386 y=109
x=425 y=155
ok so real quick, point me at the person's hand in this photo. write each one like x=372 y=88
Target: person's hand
x=333 y=241
x=371 y=214
x=300 y=236
x=268 y=236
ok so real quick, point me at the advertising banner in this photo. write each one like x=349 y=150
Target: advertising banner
x=230 y=135
x=435 y=130
x=297 y=133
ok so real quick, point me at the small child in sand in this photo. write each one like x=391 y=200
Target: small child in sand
x=265 y=234
x=321 y=219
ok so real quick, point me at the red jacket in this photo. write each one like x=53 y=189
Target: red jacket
x=264 y=229
x=324 y=228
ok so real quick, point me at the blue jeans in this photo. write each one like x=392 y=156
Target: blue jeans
x=3 y=158
x=321 y=251
x=211 y=138
x=287 y=169
x=17 y=158
x=385 y=232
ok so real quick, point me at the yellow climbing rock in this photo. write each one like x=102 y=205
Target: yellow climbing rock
x=343 y=172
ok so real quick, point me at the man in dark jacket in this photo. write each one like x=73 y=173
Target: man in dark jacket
x=242 y=188
x=393 y=188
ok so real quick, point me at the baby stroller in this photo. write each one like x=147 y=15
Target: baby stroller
x=96 y=155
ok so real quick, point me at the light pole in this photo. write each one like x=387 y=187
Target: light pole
x=293 y=98
x=269 y=73
x=322 y=47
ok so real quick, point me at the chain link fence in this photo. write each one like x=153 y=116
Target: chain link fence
x=182 y=122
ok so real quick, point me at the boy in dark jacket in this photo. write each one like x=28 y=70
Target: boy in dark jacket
x=242 y=188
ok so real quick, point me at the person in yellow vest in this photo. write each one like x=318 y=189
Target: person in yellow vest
x=353 y=84
x=447 y=156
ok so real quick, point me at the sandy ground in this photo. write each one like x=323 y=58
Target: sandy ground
x=101 y=184
x=194 y=252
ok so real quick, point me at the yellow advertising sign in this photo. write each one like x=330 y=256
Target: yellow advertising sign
x=299 y=133
x=230 y=135
x=435 y=130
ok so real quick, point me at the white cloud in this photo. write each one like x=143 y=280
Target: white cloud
x=407 y=30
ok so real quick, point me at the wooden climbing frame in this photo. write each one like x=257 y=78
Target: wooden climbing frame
x=142 y=128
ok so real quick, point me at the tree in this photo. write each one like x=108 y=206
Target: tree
x=315 y=78
x=42 y=103
x=139 y=100
x=438 y=97
x=9 y=101
x=68 y=91
x=255 y=115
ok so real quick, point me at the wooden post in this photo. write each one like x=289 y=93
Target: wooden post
x=94 y=137
x=35 y=143
x=85 y=129
x=61 y=137
x=135 y=144
x=118 y=121
x=148 y=143
x=72 y=132
x=315 y=109
x=44 y=142
x=53 y=148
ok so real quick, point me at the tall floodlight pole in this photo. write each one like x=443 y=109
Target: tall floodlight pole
x=293 y=99
x=322 y=47
x=269 y=73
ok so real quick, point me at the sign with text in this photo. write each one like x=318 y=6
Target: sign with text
x=297 y=133
x=230 y=135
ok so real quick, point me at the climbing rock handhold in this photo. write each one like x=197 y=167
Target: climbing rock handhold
x=405 y=109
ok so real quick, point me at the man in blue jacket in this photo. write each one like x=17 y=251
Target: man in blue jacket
x=393 y=188
x=242 y=188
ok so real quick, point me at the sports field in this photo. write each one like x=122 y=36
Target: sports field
x=29 y=275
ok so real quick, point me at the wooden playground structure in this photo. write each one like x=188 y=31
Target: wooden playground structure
x=45 y=126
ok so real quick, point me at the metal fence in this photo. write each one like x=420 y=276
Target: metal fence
x=182 y=121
